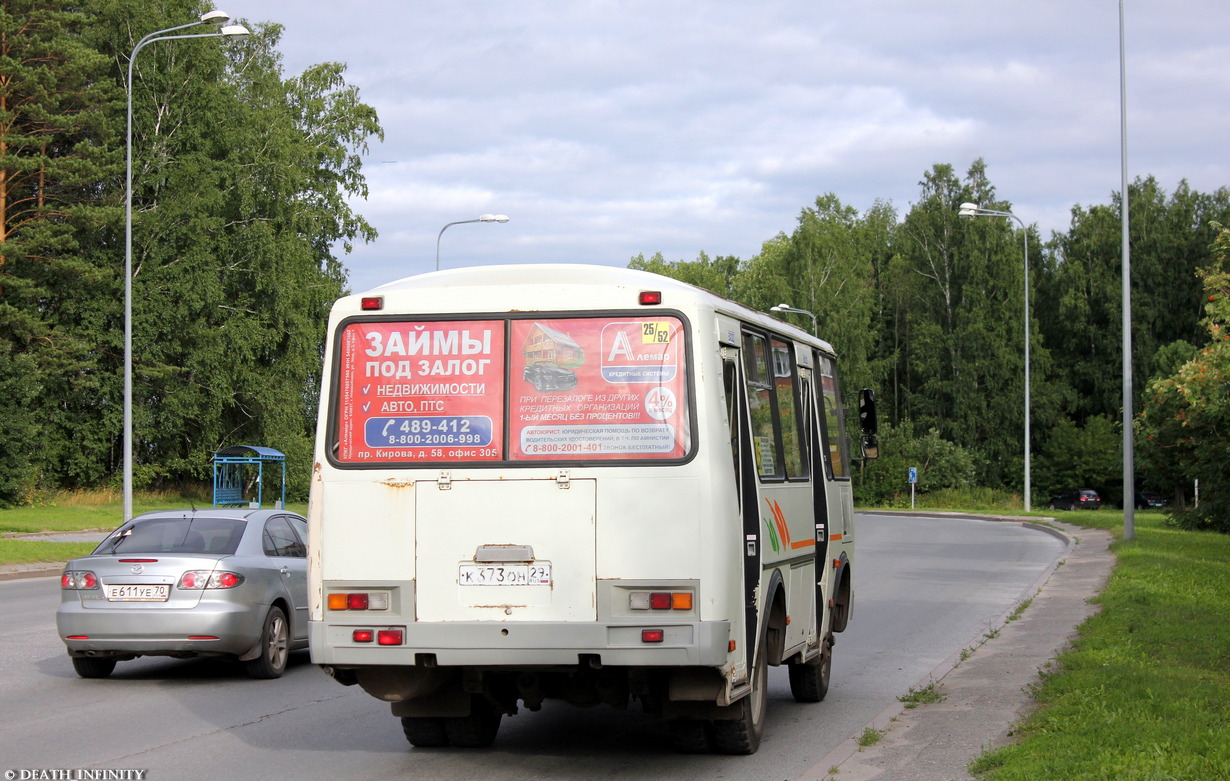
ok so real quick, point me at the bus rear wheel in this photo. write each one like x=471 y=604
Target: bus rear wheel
x=690 y=736
x=476 y=730
x=809 y=681
x=742 y=735
x=424 y=731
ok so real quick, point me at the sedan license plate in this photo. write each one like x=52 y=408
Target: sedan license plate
x=504 y=575
x=120 y=592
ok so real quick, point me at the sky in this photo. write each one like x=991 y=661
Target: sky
x=610 y=129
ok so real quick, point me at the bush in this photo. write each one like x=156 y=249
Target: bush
x=940 y=463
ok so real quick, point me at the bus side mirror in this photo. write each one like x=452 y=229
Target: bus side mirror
x=871 y=447
x=868 y=423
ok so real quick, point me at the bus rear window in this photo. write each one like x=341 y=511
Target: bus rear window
x=474 y=391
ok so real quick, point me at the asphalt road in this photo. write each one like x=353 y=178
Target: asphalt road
x=924 y=589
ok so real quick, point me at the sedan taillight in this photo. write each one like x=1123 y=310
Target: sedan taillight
x=78 y=580
x=195 y=580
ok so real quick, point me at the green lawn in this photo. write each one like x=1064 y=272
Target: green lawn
x=39 y=551
x=93 y=511
x=1145 y=691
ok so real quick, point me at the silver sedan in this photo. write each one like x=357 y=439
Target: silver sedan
x=184 y=583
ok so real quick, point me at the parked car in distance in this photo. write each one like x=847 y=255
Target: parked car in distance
x=225 y=583
x=1148 y=500
x=545 y=376
x=1077 y=499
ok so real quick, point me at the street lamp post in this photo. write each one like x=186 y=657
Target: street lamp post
x=969 y=211
x=215 y=18
x=1129 y=467
x=481 y=218
x=788 y=308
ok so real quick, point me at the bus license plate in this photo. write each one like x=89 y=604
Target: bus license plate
x=504 y=575
x=138 y=593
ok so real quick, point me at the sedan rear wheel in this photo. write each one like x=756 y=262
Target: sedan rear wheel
x=93 y=666
x=275 y=647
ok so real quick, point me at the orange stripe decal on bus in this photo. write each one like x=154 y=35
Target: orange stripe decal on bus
x=834 y=537
x=779 y=520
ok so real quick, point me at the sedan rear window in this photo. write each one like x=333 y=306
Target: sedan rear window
x=219 y=536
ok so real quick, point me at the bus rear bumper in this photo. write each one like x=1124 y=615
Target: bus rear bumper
x=488 y=643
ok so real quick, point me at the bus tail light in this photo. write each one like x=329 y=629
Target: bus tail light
x=653 y=635
x=371 y=303
x=660 y=600
x=650 y=297
x=362 y=635
x=358 y=600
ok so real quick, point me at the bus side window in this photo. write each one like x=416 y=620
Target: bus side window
x=730 y=384
x=794 y=445
x=838 y=455
x=759 y=379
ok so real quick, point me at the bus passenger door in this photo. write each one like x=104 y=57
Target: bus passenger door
x=749 y=501
x=820 y=490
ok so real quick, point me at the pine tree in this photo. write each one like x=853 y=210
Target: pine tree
x=56 y=309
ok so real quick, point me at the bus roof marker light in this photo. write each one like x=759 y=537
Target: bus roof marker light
x=650 y=297
x=371 y=303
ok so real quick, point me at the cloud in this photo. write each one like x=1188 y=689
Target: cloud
x=607 y=129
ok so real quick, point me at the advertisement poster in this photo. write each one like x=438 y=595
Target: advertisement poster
x=428 y=391
x=573 y=389
x=597 y=388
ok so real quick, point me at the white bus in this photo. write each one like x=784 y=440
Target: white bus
x=577 y=482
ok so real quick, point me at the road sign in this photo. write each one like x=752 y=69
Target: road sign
x=913 y=474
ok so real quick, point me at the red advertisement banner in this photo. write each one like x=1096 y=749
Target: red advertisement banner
x=577 y=389
x=421 y=391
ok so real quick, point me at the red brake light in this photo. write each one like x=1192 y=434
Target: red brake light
x=652 y=635
x=193 y=580
x=362 y=635
x=660 y=600
x=389 y=637
x=650 y=297
x=356 y=601
x=76 y=580
x=371 y=303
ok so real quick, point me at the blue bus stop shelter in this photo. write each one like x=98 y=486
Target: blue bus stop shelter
x=233 y=464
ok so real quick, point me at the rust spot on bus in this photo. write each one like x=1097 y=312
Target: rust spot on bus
x=398 y=482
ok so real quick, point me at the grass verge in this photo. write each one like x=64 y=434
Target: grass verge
x=73 y=511
x=35 y=552
x=1144 y=692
